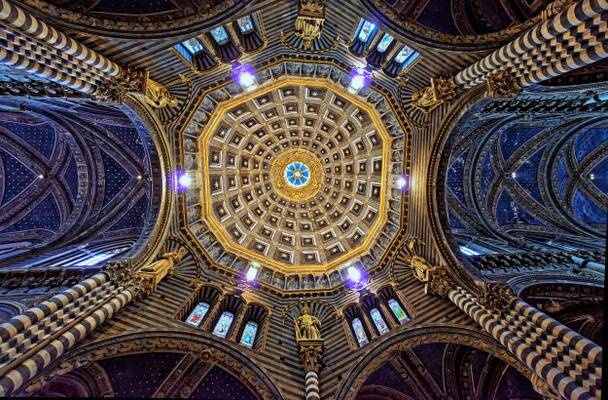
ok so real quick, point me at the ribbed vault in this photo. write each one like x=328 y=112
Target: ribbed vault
x=73 y=173
x=529 y=170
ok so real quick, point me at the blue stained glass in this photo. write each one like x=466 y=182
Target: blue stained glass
x=193 y=45
x=245 y=24
x=297 y=174
x=220 y=35
x=223 y=325
x=384 y=43
x=198 y=314
x=366 y=31
x=249 y=333
x=378 y=321
x=403 y=54
x=398 y=311
x=359 y=332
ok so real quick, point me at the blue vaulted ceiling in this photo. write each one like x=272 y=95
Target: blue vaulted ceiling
x=72 y=172
x=541 y=172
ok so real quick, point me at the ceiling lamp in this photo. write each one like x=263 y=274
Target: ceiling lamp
x=356 y=276
x=244 y=75
x=252 y=272
x=401 y=183
x=359 y=78
x=180 y=181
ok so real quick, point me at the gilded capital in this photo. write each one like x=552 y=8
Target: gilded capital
x=311 y=353
x=116 y=88
x=440 y=91
x=497 y=296
x=501 y=85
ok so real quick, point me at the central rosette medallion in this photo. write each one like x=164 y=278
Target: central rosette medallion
x=296 y=175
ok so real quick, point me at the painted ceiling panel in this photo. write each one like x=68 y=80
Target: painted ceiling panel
x=509 y=212
x=116 y=177
x=17 y=177
x=562 y=177
x=527 y=175
x=600 y=176
x=487 y=176
x=220 y=384
x=589 y=140
x=40 y=136
x=586 y=211
x=456 y=175
x=515 y=136
x=45 y=216
x=129 y=136
x=71 y=176
x=135 y=217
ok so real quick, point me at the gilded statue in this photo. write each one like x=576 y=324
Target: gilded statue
x=420 y=266
x=307 y=326
x=158 y=96
x=309 y=23
x=152 y=274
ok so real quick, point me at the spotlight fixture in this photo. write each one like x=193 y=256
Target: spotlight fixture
x=401 y=182
x=244 y=75
x=354 y=274
x=359 y=78
x=185 y=181
x=180 y=181
x=252 y=272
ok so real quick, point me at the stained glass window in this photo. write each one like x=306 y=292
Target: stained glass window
x=384 y=43
x=193 y=45
x=366 y=31
x=403 y=54
x=359 y=332
x=220 y=35
x=251 y=328
x=297 y=174
x=245 y=24
x=198 y=314
x=398 y=311
x=223 y=325
x=378 y=321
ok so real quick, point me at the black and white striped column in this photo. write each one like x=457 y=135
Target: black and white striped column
x=569 y=363
x=16 y=378
x=312 y=386
x=19 y=19
x=24 y=321
x=569 y=40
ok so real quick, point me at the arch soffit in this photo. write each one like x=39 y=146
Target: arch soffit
x=433 y=333
x=205 y=347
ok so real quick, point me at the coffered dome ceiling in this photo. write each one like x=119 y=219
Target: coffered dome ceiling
x=296 y=175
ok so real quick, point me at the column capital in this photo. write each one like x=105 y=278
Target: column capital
x=497 y=296
x=438 y=282
x=501 y=85
x=440 y=91
x=116 y=88
x=119 y=271
x=311 y=352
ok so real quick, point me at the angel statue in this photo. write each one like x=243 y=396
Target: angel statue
x=307 y=326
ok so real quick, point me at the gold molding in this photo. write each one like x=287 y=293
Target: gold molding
x=216 y=226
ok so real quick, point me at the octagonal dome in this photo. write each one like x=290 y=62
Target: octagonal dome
x=243 y=149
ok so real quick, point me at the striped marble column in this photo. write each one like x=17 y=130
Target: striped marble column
x=566 y=361
x=17 y=377
x=312 y=386
x=569 y=40
x=19 y=19
x=21 y=322
x=17 y=61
